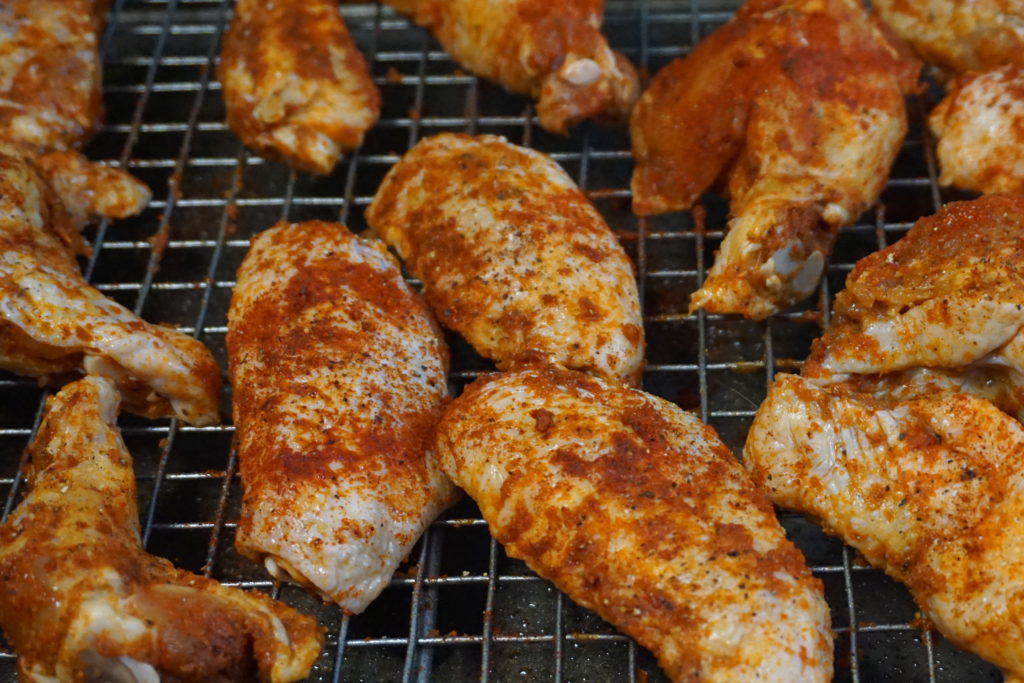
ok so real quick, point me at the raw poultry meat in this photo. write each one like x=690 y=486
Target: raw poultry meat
x=82 y=600
x=339 y=377
x=929 y=490
x=50 y=72
x=553 y=51
x=295 y=87
x=53 y=324
x=636 y=510
x=512 y=255
x=980 y=129
x=795 y=108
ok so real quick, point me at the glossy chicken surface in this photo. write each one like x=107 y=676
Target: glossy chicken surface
x=950 y=294
x=928 y=490
x=512 y=255
x=295 y=87
x=636 y=510
x=552 y=51
x=54 y=325
x=339 y=377
x=980 y=128
x=82 y=600
x=795 y=109
x=50 y=72
x=959 y=35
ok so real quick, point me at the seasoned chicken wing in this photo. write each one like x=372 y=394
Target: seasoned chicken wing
x=980 y=128
x=929 y=490
x=637 y=511
x=794 y=107
x=339 y=377
x=959 y=36
x=49 y=72
x=950 y=295
x=53 y=324
x=512 y=255
x=295 y=87
x=82 y=601
x=552 y=51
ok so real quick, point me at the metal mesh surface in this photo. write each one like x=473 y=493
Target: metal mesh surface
x=459 y=609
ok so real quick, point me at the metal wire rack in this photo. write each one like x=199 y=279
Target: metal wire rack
x=459 y=609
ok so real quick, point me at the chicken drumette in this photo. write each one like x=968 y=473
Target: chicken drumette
x=53 y=324
x=553 y=51
x=636 y=510
x=339 y=378
x=795 y=107
x=512 y=255
x=295 y=87
x=82 y=600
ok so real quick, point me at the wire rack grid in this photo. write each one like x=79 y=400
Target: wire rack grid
x=459 y=609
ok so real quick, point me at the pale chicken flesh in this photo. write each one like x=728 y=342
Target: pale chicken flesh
x=295 y=86
x=339 y=377
x=50 y=72
x=929 y=490
x=53 y=324
x=636 y=510
x=980 y=131
x=512 y=255
x=948 y=296
x=795 y=108
x=959 y=35
x=553 y=51
x=82 y=600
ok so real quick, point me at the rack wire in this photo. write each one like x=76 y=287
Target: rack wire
x=459 y=609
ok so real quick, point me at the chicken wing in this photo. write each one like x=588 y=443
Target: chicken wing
x=49 y=72
x=552 y=51
x=512 y=255
x=796 y=108
x=980 y=128
x=928 y=490
x=339 y=378
x=53 y=324
x=636 y=510
x=959 y=36
x=950 y=294
x=295 y=87
x=82 y=601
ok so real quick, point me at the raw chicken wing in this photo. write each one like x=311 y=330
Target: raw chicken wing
x=296 y=88
x=339 y=378
x=929 y=490
x=553 y=51
x=53 y=324
x=82 y=601
x=512 y=255
x=49 y=72
x=637 y=511
x=980 y=127
x=959 y=35
x=796 y=109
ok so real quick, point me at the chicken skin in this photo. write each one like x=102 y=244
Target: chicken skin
x=54 y=325
x=636 y=510
x=50 y=72
x=980 y=128
x=512 y=255
x=82 y=600
x=795 y=108
x=552 y=51
x=948 y=296
x=295 y=87
x=959 y=36
x=929 y=490
x=339 y=376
